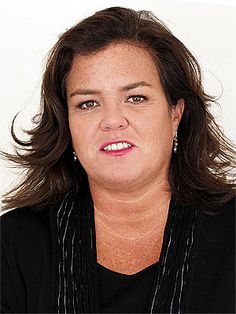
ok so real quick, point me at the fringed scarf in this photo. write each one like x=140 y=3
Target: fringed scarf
x=77 y=275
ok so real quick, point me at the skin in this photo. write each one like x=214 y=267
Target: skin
x=130 y=191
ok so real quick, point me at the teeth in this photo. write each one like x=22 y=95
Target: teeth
x=114 y=147
x=120 y=145
x=117 y=146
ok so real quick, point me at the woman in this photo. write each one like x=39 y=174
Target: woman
x=128 y=202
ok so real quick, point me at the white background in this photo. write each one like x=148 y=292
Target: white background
x=29 y=28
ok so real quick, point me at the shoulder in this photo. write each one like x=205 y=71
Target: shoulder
x=214 y=259
x=216 y=246
x=18 y=216
x=25 y=225
x=27 y=241
x=222 y=220
x=28 y=260
x=227 y=208
x=24 y=219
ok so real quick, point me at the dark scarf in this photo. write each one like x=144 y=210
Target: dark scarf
x=77 y=265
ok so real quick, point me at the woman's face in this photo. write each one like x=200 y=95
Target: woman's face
x=121 y=125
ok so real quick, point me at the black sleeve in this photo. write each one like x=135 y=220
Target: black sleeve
x=8 y=297
x=27 y=271
x=9 y=282
x=214 y=280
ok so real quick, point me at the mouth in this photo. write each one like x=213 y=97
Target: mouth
x=117 y=147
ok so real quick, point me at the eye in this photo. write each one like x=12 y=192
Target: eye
x=137 y=99
x=87 y=105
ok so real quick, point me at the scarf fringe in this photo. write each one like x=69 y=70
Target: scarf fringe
x=78 y=283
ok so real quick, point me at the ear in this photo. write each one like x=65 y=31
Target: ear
x=177 y=112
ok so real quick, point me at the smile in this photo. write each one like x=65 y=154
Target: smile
x=117 y=146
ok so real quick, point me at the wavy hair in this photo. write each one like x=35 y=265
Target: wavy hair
x=201 y=173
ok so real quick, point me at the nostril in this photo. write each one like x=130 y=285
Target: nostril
x=121 y=126
x=114 y=124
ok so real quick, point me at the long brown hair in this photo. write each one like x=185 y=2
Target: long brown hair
x=200 y=173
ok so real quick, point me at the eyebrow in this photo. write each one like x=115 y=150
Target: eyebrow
x=122 y=89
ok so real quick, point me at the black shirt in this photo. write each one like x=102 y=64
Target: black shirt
x=28 y=266
x=120 y=293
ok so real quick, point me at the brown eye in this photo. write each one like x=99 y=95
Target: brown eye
x=137 y=99
x=87 y=105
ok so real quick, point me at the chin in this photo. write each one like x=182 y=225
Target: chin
x=119 y=181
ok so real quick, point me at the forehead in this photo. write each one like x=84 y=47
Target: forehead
x=115 y=60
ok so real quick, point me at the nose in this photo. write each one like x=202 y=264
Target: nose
x=113 y=118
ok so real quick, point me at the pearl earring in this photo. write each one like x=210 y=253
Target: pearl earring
x=175 y=143
x=74 y=156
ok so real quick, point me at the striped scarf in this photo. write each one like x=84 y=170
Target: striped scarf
x=77 y=272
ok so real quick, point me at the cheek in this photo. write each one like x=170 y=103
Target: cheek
x=159 y=135
x=81 y=133
x=77 y=132
x=159 y=126
x=73 y=128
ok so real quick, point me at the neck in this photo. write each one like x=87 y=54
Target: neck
x=131 y=214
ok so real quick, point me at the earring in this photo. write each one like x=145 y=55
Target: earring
x=175 y=143
x=74 y=156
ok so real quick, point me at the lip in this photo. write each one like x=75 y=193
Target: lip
x=115 y=142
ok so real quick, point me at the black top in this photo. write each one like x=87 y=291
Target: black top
x=28 y=267
x=125 y=293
